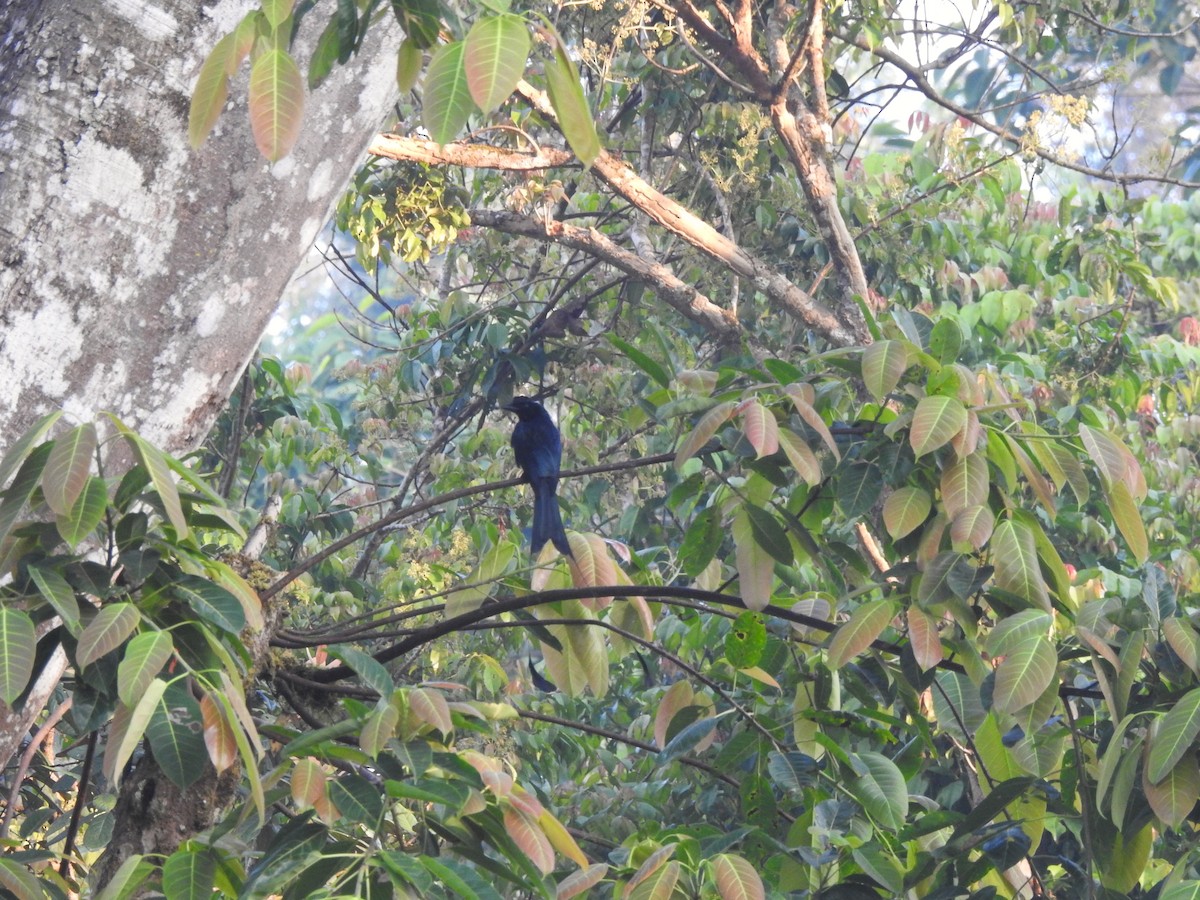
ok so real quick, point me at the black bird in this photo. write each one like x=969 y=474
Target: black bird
x=537 y=446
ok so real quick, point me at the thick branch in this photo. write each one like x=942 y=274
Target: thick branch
x=681 y=297
x=661 y=209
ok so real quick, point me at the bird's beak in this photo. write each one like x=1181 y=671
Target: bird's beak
x=508 y=407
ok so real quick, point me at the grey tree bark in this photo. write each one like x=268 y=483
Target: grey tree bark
x=137 y=275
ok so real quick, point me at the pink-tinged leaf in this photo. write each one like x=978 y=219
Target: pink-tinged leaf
x=760 y=427
x=882 y=365
x=1024 y=674
x=105 y=633
x=134 y=728
x=679 y=696
x=531 y=840
x=858 y=632
x=523 y=800
x=218 y=734
x=235 y=693
x=561 y=840
x=211 y=90
x=68 y=467
x=698 y=381
x=967 y=440
x=578 y=882
x=762 y=676
x=649 y=866
x=905 y=510
x=972 y=527
x=408 y=65
x=1128 y=517
x=931 y=539
x=430 y=707
x=800 y=455
x=1174 y=797
x=566 y=96
x=1042 y=488
x=494 y=58
x=1184 y=641
x=756 y=567
x=308 y=783
x=924 y=639
x=708 y=425
x=160 y=475
x=1113 y=459
x=591 y=566
x=1014 y=555
x=964 y=483
x=446 y=102
x=935 y=422
x=802 y=398
x=276 y=102
x=816 y=607
x=379 y=728
x=736 y=878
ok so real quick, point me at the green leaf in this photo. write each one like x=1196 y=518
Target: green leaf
x=1174 y=797
x=420 y=19
x=687 y=740
x=858 y=632
x=105 y=633
x=325 y=54
x=277 y=11
x=1184 y=890
x=372 y=672
x=210 y=602
x=138 y=720
x=22 y=487
x=700 y=541
x=408 y=65
x=160 y=476
x=1128 y=519
x=769 y=533
x=566 y=96
x=59 y=593
x=935 y=422
x=447 y=103
x=792 y=771
x=945 y=340
x=19 y=881
x=1014 y=555
x=882 y=365
x=756 y=572
x=357 y=799
x=18 y=644
x=1012 y=630
x=68 y=468
x=210 y=91
x=1023 y=676
x=494 y=58
x=879 y=788
x=642 y=360
x=276 y=103
x=176 y=735
x=482 y=582
x=746 y=640
x=1176 y=734
x=905 y=509
x=189 y=875
x=22 y=446
x=857 y=488
x=144 y=659
x=85 y=513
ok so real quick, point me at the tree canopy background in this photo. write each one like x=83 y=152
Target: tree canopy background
x=872 y=334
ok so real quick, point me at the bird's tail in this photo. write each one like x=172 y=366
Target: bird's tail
x=547 y=521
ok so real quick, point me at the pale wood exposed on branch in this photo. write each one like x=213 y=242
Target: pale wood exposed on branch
x=662 y=210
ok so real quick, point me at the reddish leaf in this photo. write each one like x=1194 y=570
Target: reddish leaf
x=218 y=734
x=760 y=427
x=276 y=101
x=708 y=425
x=530 y=838
x=859 y=631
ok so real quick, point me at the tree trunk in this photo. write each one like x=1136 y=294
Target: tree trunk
x=137 y=275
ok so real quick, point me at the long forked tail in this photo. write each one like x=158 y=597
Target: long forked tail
x=547 y=521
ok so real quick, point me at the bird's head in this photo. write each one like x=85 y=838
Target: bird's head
x=525 y=408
